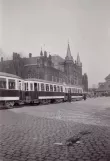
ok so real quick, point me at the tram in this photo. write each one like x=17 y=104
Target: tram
x=15 y=90
x=11 y=90
x=42 y=91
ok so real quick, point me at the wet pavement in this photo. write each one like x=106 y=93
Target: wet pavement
x=77 y=131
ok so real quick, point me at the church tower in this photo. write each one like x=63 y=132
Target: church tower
x=79 y=68
x=68 y=55
x=68 y=65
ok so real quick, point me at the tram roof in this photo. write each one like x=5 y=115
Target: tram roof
x=51 y=82
x=9 y=75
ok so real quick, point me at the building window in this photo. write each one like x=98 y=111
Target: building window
x=42 y=87
x=47 y=87
x=52 y=78
x=2 y=83
x=11 y=84
x=55 y=79
x=51 y=88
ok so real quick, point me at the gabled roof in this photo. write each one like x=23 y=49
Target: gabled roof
x=108 y=77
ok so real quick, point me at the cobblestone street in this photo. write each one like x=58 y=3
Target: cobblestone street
x=41 y=133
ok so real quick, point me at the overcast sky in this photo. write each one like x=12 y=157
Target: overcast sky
x=29 y=24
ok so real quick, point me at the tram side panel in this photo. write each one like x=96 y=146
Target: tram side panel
x=38 y=96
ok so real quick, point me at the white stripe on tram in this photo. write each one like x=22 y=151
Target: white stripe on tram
x=50 y=97
x=9 y=98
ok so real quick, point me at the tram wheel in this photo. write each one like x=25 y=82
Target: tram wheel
x=9 y=104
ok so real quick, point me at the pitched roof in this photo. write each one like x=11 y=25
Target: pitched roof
x=108 y=77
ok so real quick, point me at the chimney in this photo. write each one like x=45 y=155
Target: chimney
x=1 y=59
x=30 y=55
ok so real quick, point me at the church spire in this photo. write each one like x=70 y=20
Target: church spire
x=68 y=55
x=78 y=60
x=41 y=53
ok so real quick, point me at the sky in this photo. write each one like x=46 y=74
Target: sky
x=29 y=24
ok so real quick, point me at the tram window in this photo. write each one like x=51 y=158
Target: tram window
x=2 y=83
x=19 y=85
x=72 y=90
x=55 y=89
x=51 y=88
x=58 y=88
x=66 y=90
x=61 y=89
x=31 y=86
x=35 y=86
x=69 y=89
x=42 y=87
x=27 y=87
x=47 y=87
x=11 y=84
x=38 y=87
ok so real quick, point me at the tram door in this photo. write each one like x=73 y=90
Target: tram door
x=36 y=90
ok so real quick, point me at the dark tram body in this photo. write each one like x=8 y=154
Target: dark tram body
x=15 y=90
x=42 y=91
x=11 y=89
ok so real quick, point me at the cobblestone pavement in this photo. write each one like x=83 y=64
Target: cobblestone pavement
x=39 y=133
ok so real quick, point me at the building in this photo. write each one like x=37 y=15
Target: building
x=47 y=67
x=85 y=82
x=57 y=61
x=104 y=87
x=72 y=68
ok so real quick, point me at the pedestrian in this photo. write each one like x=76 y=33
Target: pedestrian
x=84 y=97
x=69 y=96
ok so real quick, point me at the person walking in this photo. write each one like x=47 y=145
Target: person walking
x=84 y=96
x=69 y=96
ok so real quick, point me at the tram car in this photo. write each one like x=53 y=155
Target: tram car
x=11 y=90
x=14 y=90
x=42 y=91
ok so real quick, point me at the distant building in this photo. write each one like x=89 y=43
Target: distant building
x=104 y=87
x=85 y=82
x=52 y=68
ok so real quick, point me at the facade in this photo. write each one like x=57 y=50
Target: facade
x=51 y=68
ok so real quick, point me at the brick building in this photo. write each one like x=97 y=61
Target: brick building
x=52 y=68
